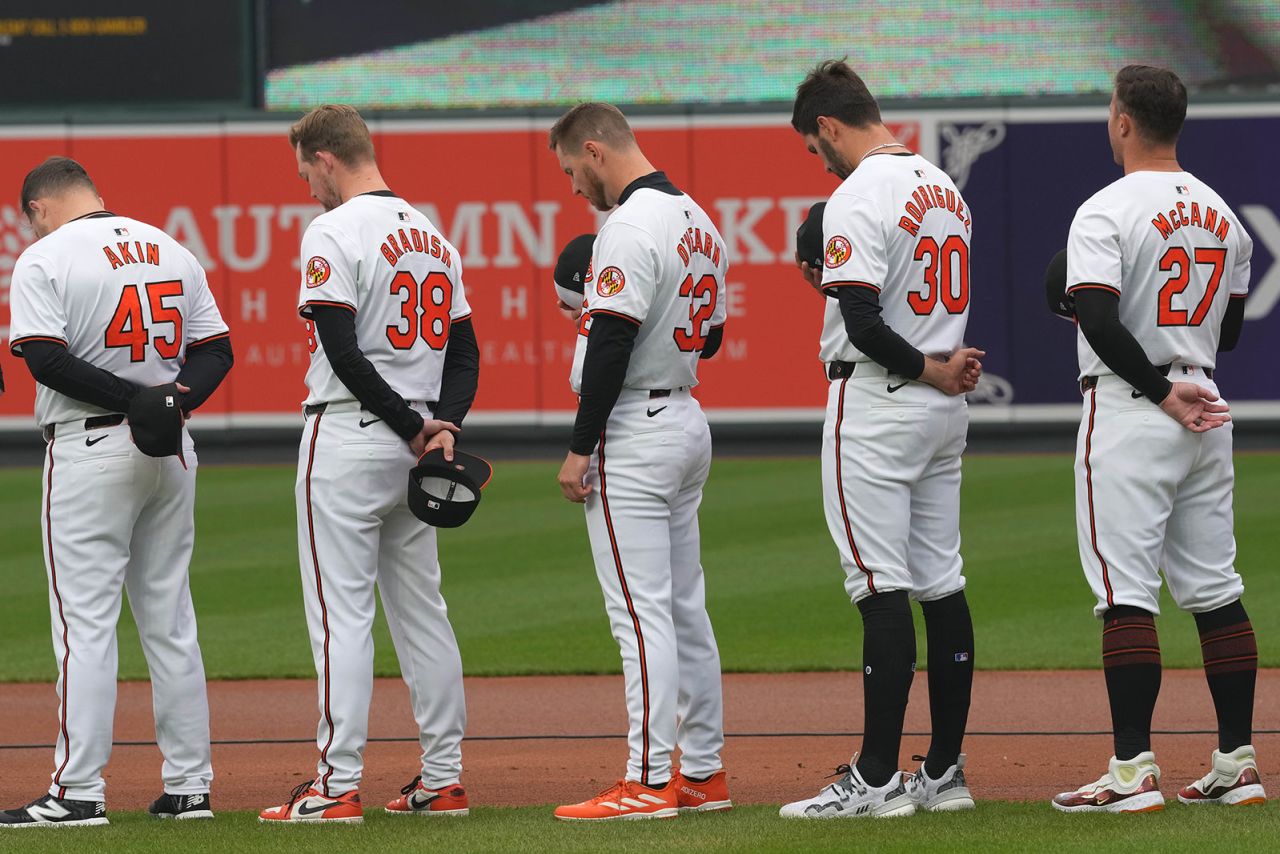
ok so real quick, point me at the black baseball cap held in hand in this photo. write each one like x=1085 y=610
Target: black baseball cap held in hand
x=809 y=237
x=155 y=421
x=570 y=273
x=444 y=493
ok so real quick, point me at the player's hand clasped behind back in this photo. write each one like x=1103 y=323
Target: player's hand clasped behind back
x=434 y=434
x=1195 y=407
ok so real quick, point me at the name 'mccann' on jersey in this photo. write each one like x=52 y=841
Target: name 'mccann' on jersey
x=382 y=259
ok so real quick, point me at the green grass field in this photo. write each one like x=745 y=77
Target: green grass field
x=524 y=599
x=992 y=827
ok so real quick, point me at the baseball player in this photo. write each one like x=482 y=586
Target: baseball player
x=1158 y=267
x=639 y=458
x=102 y=308
x=896 y=237
x=394 y=367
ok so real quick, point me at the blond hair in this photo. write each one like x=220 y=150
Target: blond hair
x=335 y=128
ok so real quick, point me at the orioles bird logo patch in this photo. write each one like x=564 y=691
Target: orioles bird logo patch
x=838 y=251
x=317 y=272
x=586 y=280
x=610 y=282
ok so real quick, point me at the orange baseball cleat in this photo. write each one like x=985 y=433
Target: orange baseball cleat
x=308 y=805
x=711 y=795
x=625 y=799
x=417 y=799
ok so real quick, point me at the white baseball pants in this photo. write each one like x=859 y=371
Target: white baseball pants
x=115 y=519
x=647 y=475
x=891 y=483
x=354 y=531
x=1151 y=496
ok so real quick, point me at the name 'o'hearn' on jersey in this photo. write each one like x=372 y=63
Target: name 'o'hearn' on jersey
x=384 y=260
x=1173 y=252
x=899 y=226
x=122 y=295
x=659 y=262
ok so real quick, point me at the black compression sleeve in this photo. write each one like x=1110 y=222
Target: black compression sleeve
x=860 y=308
x=604 y=367
x=1098 y=311
x=714 y=339
x=206 y=366
x=54 y=367
x=1232 y=324
x=461 y=373
x=336 y=328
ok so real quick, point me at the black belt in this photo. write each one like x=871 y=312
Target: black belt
x=317 y=408
x=1087 y=383
x=95 y=423
x=840 y=370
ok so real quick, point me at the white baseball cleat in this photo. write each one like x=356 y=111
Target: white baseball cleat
x=948 y=793
x=1233 y=781
x=851 y=797
x=1129 y=786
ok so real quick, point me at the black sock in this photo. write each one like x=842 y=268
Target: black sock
x=657 y=787
x=949 y=629
x=698 y=779
x=1230 y=653
x=888 y=665
x=1131 y=662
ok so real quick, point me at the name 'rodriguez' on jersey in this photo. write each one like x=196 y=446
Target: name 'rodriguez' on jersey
x=385 y=261
x=1173 y=252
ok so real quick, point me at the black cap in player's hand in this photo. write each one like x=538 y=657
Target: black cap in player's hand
x=1061 y=303
x=570 y=273
x=809 y=237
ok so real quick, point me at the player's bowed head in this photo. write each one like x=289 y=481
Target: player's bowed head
x=597 y=149
x=56 y=192
x=335 y=154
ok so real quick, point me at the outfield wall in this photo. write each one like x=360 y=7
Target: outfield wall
x=229 y=191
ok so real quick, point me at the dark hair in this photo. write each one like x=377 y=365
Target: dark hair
x=1156 y=100
x=591 y=121
x=833 y=89
x=52 y=177
x=335 y=128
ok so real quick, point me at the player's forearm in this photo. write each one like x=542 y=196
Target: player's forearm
x=1232 y=324
x=461 y=373
x=53 y=366
x=336 y=329
x=860 y=308
x=604 y=369
x=206 y=367
x=714 y=339
x=1098 y=311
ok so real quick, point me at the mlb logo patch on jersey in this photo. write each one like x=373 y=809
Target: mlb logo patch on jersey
x=1183 y=191
x=919 y=173
x=404 y=216
x=121 y=232
x=838 y=251
x=611 y=281
x=317 y=272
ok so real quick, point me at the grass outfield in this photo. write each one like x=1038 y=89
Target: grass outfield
x=992 y=827
x=524 y=599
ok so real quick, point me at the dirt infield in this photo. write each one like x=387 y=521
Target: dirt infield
x=537 y=740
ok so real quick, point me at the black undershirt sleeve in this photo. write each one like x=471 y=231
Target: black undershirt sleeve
x=54 y=367
x=461 y=374
x=1232 y=324
x=204 y=370
x=336 y=328
x=1098 y=311
x=860 y=308
x=604 y=367
x=714 y=339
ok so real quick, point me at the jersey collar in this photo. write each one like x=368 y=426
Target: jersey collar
x=92 y=215
x=386 y=194
x=653 y=181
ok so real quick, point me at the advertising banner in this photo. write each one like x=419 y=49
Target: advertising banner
x=230 y=193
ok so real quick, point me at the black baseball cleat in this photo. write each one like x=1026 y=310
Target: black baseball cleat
x=49 y=811
x=182 y=806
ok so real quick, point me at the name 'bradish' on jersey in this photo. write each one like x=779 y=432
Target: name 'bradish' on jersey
x=384 y=260
x=1173 y=252
x=660 y=262
x=899 y=226
x=122 y=295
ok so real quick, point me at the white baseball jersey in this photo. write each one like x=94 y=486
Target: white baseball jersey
x=1173 y=252
x=121 y=294
x=660 y=262
x=382 y=259
x=899 y=226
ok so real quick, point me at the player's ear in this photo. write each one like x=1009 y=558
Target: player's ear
x=827 y=128
x=593 y=150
